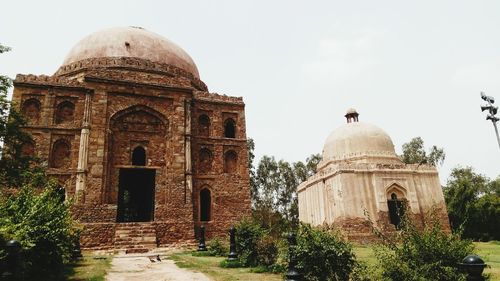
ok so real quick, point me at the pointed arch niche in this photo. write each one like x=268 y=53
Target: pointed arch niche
x=31 y=110
x=60 y=155
x=205 y=204
x=139 y=156
x=396 y=203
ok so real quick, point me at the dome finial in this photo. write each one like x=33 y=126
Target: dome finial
x=351 y=115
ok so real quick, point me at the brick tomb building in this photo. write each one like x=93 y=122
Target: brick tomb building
x=135 y=137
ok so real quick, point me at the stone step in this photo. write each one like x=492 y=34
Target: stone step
x=127 y=243
x=125 y=235
x=135 y=237
x=136 y=229
x=135 y=224
x=136 y=250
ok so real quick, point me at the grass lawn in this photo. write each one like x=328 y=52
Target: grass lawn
x=90 y=268
x=210 y=267
x=490 y=253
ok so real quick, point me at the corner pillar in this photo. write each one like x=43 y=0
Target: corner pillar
x=188 y=168
x=81 y=172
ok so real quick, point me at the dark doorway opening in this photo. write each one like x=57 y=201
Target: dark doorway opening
x=205 y=205
x=396 y=210
x=230 y=128
x=136 y=195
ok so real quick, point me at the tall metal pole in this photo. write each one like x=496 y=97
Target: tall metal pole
x=496 y=131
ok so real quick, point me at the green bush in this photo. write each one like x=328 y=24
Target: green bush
x=41 y=222
x=322 y=255
x=422 y=254
x=248 y=234
x=217 y=248
x=267 y=250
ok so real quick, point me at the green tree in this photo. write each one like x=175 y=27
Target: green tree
x=15 y=169
x=473 y=204
x=414 y=153
x=251 y=169
x=274 y=193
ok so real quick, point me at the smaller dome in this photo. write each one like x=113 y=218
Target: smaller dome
x=357 y=139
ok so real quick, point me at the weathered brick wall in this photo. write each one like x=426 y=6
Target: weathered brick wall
x=88 y=213
x=229 y=189
x=140 y=103
x=98 y=235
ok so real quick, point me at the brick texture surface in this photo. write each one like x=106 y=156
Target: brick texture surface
x=131 y=103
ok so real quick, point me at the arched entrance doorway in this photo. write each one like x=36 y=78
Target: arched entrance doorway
x=396 y=209
x=136 y=148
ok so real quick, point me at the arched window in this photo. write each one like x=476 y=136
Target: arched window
x=230 y=162
x=31 y=110
x=229 y=128
x=205 y=205
x=139 y=156
x=204 y=126
x=28 y=149
x=396 y=210
x=205 y=160
x=64 y=112
x=61 y=152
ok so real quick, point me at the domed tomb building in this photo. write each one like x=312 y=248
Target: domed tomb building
x=360 y=177
x=135 y=137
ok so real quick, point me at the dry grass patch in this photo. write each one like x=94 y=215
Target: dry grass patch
x=90 y=268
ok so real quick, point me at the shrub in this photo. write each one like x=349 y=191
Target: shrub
x=217 y=248
x=248 y=233
x=422 y=254
x=267 y=250
x=322 y=255
x=41 y=222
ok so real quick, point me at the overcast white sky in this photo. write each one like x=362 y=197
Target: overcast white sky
x=413 y=68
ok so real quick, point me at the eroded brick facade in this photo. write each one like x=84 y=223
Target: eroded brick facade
x=98 y=120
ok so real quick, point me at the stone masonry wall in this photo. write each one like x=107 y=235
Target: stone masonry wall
x=144 y=105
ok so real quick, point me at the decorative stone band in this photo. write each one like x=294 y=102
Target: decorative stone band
x=339 y=168
x=127 y=62
x=44 y=80
x=114 y=76
x=62 y=81
x=217 y=98
x=360 y=156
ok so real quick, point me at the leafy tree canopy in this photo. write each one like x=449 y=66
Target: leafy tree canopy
x=473 y=203
x=414 y=153
x=274 y=188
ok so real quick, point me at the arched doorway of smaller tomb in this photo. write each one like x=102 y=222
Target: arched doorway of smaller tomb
x=396 y=204
x=138 y=135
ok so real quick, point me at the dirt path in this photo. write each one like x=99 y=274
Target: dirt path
x=142 y=268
